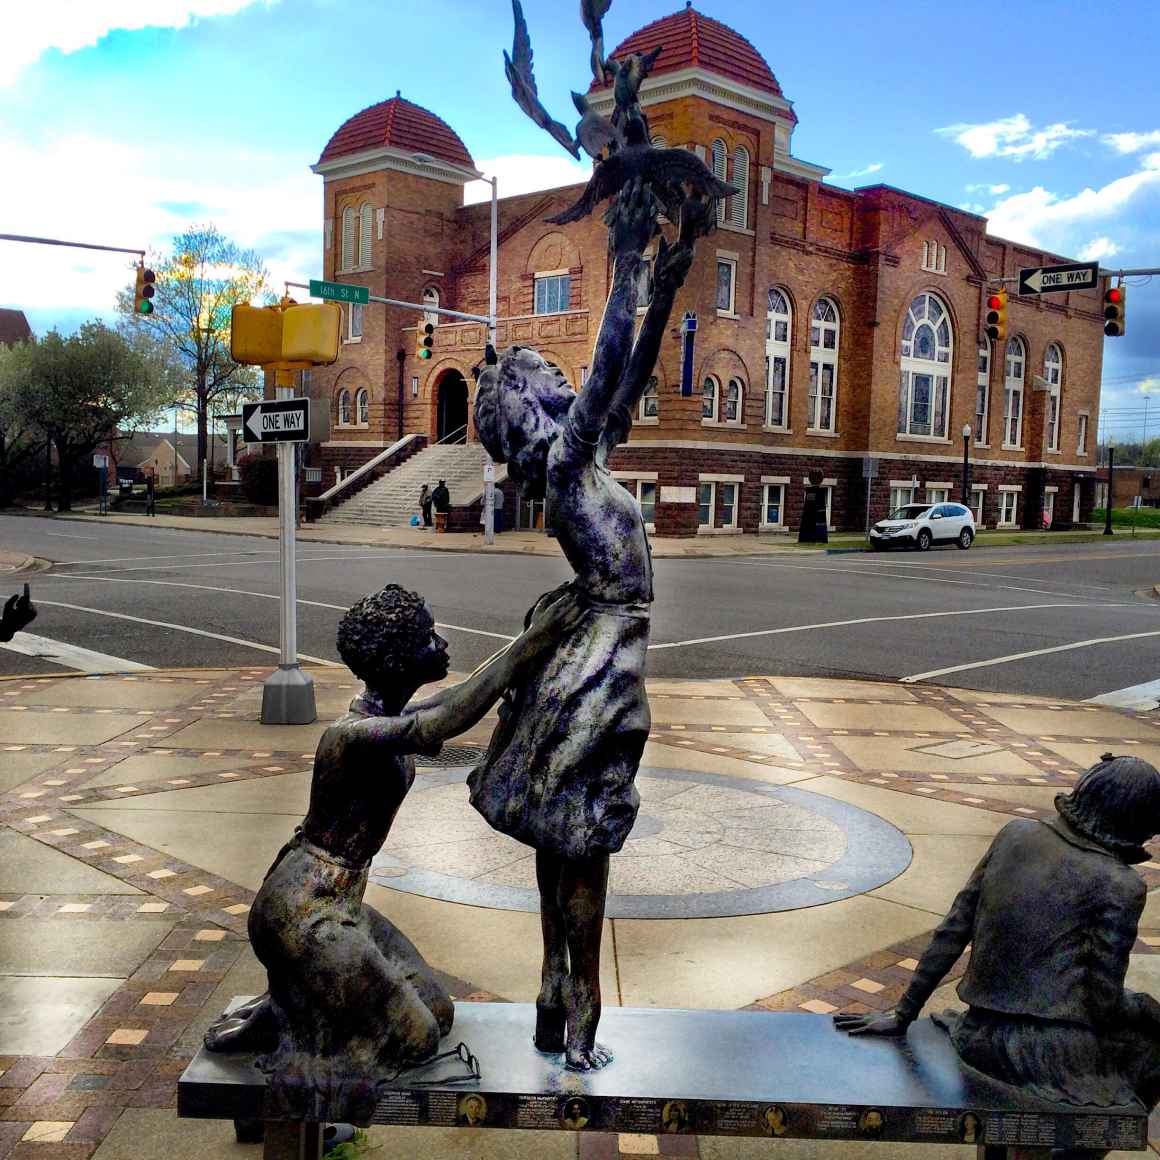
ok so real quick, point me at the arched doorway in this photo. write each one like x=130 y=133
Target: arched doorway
x=451 y=408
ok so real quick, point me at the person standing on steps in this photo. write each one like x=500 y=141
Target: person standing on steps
x=441 y=498
x=425 y=502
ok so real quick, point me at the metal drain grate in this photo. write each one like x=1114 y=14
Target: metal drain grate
x=451 y=757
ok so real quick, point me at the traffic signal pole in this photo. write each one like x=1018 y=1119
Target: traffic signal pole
x=288 y=693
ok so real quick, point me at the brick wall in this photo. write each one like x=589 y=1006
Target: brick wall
x=863 y=250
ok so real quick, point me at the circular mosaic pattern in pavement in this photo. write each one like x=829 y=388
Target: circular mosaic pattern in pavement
x=704 y=846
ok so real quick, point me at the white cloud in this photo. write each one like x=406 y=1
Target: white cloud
x=1131 y=142
x=994 y=190
x=1148 y=386
x=1042 y=218
x=1013 y=137
x=873 y=167
x=526 y=173
x=1098 y=249
x=31 y=29
x=142 y=197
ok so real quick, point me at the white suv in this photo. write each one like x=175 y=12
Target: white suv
x=918 y=525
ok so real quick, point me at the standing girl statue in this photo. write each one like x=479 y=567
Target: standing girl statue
x=560 y=769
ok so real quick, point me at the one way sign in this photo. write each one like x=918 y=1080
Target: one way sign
x=1054 y=279
x=276 y=421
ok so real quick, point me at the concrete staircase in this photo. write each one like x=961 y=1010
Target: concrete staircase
x=394 y=499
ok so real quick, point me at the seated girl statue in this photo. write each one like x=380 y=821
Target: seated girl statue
x=559 y=773
x=1051 y=914
x=350 y=999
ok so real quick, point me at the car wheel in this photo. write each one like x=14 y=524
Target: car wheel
x=922 y=543
x=965 y=538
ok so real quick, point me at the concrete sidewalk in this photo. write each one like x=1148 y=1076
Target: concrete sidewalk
x=139 y=814
x=537 y=543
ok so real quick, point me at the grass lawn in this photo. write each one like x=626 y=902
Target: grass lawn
x=1144 y=517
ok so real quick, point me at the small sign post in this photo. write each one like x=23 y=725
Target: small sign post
x=1059 y=279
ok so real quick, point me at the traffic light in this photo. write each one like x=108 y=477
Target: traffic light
x=144 y=291
x=424 y=340
x=1115 y=304
x=996 y=328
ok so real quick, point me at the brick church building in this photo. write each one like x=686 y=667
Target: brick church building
x=834 y=327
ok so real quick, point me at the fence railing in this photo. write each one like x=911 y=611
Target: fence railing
x=366 y=474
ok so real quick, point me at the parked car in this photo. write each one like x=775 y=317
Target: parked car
x=918 y=525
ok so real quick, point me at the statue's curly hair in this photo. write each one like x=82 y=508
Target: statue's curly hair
x=383 y=634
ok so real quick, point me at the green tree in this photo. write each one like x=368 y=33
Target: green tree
x=81 y=392
x=22 y=444
x=1150 y=454
x=197 y=286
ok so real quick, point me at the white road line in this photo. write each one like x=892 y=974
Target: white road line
x=1038 y=652
x=72 y=656
x=272 y=561
x=66 y=536
x=877 y=565
x=200 y=555
x=866 y=620
x=182 y=628
x=1143 y=697
x=914 y=579
x=259 y=595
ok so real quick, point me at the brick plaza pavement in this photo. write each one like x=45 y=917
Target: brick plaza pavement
x=138 y=815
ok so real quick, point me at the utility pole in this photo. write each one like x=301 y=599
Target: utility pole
x=1108 y=501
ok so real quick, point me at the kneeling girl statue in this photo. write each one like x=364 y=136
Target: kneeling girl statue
x=350 y=999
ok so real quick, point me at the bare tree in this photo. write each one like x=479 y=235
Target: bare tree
x=197 y=286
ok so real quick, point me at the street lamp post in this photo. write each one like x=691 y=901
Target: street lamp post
x=1108 y=497
x=966 y=465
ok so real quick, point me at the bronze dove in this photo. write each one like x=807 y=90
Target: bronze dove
x=518 y=67
x=662 y=168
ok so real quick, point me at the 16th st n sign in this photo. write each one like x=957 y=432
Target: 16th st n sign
x=1058 y=279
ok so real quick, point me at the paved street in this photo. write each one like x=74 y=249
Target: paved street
x=166 y=598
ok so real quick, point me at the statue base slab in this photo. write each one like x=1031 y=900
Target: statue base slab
x=710 y=1073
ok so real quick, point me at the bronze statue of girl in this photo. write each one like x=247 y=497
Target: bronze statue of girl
x=350 y=999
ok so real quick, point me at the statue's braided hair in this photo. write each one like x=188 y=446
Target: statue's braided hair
x=383 y=633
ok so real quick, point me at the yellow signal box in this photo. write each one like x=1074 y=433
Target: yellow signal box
x=256 y=335
x=310 y=333
x=288 y=333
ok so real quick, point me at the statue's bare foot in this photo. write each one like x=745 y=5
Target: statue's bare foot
x=550 y=1025
x=587 y=1058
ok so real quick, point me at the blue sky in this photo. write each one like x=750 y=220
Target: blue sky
x=1048 y=122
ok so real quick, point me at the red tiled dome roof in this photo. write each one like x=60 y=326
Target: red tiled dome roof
x=694 y=40
x=400 y=124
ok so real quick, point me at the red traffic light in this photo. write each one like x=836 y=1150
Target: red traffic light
x=1114 y=295
x=994 y=302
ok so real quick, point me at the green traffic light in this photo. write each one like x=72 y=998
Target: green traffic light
x=145 y=307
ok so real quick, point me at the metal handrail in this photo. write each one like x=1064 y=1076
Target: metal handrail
x=359 y=472
x=452 y=436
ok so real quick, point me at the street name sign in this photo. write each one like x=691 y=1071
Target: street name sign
x=1055 y=279
x=276 y=421
x=339 y=292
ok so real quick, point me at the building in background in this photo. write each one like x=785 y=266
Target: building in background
x=14 y=327
x=834 y=326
